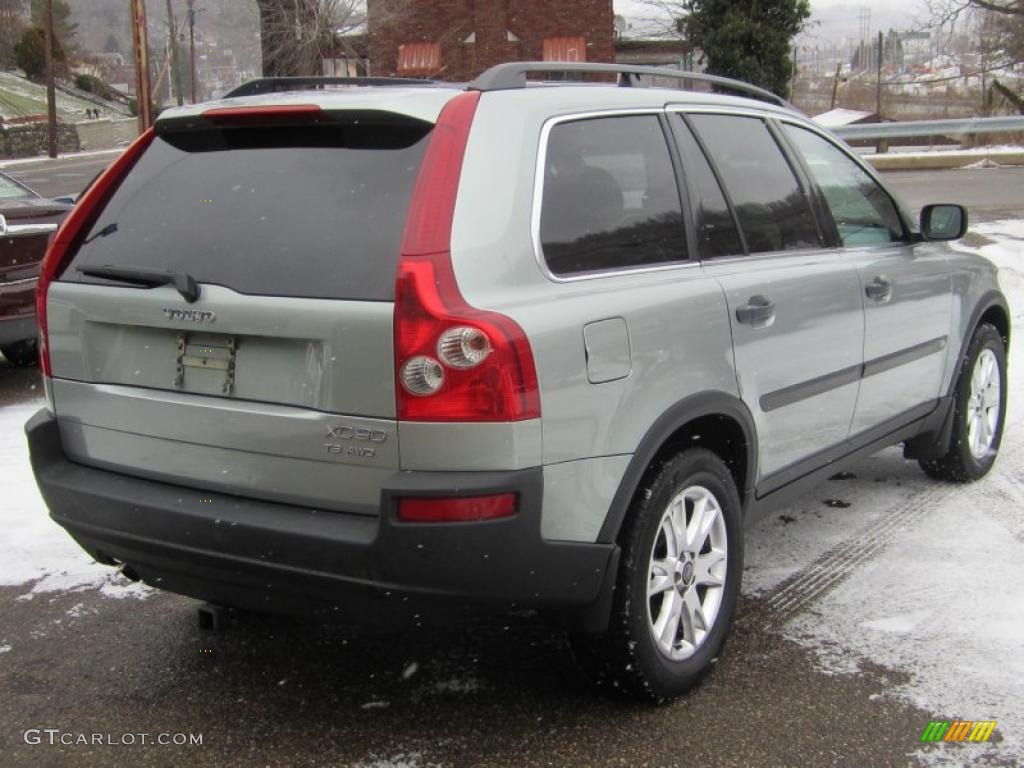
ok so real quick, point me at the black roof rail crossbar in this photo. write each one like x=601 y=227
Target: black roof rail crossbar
x=513 y=75
x=280 y=84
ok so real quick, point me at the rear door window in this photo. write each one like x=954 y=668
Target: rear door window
x=715 y=225
x=770 y=204
x=312 y=211
x=610 y=199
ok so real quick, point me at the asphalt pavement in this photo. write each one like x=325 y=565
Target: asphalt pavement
x=988 y=193
x=497 y=692
x=63 y=176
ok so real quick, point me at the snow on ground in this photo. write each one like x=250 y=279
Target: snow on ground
x=37 y=552
x=400 y=760
x=20 y=97
x=920 y=577
x=1005 y=149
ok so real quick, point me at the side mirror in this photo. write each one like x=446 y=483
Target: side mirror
x=943 y=222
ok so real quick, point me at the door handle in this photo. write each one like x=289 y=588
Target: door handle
x=759 y=311
x=879 y=289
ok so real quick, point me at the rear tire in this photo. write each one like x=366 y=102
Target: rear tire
x=675 y=598
x=979 y=411
x=20 y=354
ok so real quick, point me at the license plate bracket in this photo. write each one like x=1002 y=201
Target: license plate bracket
x=206 y=352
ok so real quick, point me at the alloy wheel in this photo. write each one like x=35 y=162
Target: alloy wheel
x=686 y=575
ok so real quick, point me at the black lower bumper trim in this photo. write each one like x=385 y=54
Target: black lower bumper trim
x=262 y=555
x=17 y=329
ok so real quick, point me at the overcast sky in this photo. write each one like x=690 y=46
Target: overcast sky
x=835 y=18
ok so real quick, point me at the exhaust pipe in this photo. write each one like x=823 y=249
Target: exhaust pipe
x=213 y=617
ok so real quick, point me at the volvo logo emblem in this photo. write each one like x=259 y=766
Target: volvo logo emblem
x=190 y=315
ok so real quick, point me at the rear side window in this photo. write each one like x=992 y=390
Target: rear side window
x=312 y=211
x=771 y=206
x=610 y=199
x=864 y=214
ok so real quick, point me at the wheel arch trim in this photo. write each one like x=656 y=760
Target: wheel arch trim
x=676 y=417
x=992 y=299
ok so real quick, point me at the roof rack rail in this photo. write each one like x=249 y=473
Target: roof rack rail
x=513 y=75
x=281 y=84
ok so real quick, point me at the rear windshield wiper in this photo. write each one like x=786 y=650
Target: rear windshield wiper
x=184 y=282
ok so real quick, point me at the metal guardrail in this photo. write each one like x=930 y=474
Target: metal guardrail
x=925 y=128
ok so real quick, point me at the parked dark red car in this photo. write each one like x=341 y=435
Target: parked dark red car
x=26 y=223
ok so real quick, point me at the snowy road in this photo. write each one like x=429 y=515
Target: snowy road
x=858 y=625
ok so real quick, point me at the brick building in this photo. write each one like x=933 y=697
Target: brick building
x=458 y=39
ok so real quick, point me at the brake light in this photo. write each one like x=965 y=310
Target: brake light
x=453 y=362
x=267 y=115
x=75 y=226
x=464 y=509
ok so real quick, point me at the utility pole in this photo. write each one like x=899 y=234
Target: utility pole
x=51 y=87
x=878 y=84
x=175 y=64
x=192 y=44
x=835 y=84
x=883 y=145
x=140 y=50
x=792 y=74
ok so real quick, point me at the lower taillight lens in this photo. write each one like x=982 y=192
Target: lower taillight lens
x=422 y=375
x=463 y=509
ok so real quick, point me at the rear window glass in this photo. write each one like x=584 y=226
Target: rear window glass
x=303 y=211
x=610 y=201
x=10 y=189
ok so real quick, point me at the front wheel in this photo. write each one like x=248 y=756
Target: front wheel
x=979 y=403
x=678 y=584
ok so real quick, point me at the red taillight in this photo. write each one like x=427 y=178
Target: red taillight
x=457 y=510
x=78 y=222
x=496 y=380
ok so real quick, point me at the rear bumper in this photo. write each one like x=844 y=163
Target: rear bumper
x=13 y=329
x=17 y=310
x=269 y=556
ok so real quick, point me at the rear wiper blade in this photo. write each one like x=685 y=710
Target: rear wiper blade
x=184 y=282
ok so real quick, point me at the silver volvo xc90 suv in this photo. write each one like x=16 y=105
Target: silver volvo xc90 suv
x=504 y=342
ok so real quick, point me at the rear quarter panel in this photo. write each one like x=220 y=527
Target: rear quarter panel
x=679 y=341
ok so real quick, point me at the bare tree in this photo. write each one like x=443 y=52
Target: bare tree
x=297 y=35
x=1010 y=7
x=662 y=18
x=1000 y=26
x=997 y=31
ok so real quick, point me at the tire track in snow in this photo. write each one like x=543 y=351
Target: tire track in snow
x=793 y=595
x=1004 y=485
x=1004 y=488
